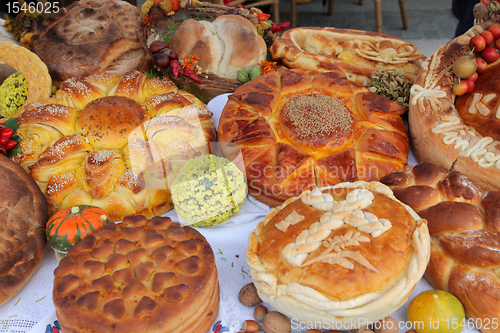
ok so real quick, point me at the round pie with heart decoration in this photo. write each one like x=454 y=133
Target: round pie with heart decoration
x=115 y=142
x=299 y=129
x=138 y=276
x=457 y=133
x=341 y=255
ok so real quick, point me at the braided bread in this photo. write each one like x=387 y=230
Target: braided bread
x=464 y=225
x=113 y=142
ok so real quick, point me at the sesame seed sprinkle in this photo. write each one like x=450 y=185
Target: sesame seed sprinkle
x=98 y=157
x=315 y=115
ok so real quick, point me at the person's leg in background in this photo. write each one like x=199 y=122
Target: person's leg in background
x=464 y=12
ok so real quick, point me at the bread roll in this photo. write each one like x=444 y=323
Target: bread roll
x=224 y=46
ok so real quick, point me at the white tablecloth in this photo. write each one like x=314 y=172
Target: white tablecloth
x=33 y=307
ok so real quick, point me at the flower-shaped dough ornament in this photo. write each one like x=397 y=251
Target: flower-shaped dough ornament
x=299 y=129
x=113 y=142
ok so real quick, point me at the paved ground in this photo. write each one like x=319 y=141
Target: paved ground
x=431 y=22
x=429 y=19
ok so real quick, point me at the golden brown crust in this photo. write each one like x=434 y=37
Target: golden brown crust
x=314 y=239
x=23 y=215
x=136 y=275
x=94 y=36
x=297 y=130
x=357 y=53
x=117 y=145
x=462 y=134
x=463 y=222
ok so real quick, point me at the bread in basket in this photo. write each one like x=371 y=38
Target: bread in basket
x=115 y=142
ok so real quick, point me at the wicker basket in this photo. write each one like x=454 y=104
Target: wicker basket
x=212 y=85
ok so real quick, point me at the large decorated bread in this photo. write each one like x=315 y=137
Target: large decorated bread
x=224 y=46
x=113 y=142
x=297 y=130
x=457 y=134
x=464 y=225
x=23 y=215
x=93 y=36
x=358 y=53
x=138 y=276
x=339 y=256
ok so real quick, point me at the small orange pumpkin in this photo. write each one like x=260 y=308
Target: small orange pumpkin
x=70 y=225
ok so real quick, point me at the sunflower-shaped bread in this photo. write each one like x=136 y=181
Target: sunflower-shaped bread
x=113 y=142
x=298 y=129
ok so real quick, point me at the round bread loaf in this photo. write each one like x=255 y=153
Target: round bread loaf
x=23 y=215
x=113 y=142
x=138 y=276
x=457 y=134
x=464 y=225
x=224 y=46
x=93 y=36
x=298 y=129
x=357 y=53
x=341 y=256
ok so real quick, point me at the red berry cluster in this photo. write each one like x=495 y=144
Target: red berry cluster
x=5 y=139
x=485 y=50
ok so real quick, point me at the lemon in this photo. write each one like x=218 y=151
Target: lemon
x=436 y=311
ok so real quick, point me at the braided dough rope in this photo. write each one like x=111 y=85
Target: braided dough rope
x=439 y=135
x=464 y=225
x=308 y=304
x=35 y=71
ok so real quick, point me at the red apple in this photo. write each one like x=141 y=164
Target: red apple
x=471 y=85
x=490 y=54
x=478 y=43
x=488 y=36
x=460 y=88
x=495 y=30
x=497 y=44
x=481 y=65
x=473 y=77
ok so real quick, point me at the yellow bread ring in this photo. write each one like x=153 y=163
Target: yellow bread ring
x=35 y=71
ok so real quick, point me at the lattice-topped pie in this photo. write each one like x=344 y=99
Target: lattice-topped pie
x=299 y=129
x=457 y=134
x=342 y=254
x=138 y=276
x=357 y=53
